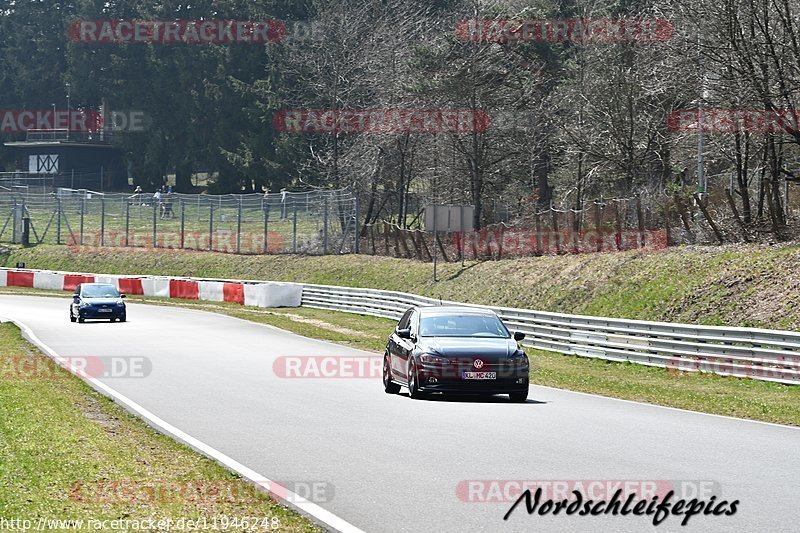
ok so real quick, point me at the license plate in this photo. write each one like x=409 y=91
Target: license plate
x=479 y=375
x=105 y=310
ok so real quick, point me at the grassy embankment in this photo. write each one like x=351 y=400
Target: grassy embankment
x=69 y=453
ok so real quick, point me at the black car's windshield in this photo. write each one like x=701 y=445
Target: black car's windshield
x=99 y=291
x=466 y=325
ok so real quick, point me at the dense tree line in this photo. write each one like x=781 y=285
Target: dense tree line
x=569 y=119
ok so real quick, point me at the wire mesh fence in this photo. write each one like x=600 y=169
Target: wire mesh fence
x=313 y=222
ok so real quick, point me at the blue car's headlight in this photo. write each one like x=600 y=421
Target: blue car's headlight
x=84 y=305
x=120 y=304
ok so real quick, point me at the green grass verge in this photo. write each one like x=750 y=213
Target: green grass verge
x=733 y=285
x=67 y=452
x=743 y=398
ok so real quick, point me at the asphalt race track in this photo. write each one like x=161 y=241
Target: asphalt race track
x=394 y=464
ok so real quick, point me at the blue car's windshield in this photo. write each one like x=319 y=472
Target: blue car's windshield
x=467 y=325
x=99 y=291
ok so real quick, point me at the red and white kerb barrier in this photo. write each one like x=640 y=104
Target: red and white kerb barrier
x=264 y=294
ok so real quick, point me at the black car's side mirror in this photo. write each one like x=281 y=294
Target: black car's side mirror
x=404 y=333
x=76 y=298
x=518 y=336
x=122 y=296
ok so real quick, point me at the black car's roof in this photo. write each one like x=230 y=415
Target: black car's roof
x=438 y=310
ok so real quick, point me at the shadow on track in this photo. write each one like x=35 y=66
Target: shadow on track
x=472 y=398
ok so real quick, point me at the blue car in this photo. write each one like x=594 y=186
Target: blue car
x=99 y=301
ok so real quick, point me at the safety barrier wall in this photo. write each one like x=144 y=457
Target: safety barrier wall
x=255 y=293
x=770 y=355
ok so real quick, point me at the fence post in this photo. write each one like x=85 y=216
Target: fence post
x=13 y=222
x=155 y=209
x=239 y=226
x=325 y=226
x=58 y=219
x=211 y=226
x=127 y=222
x=294 y=226
x=183 y=224
x=83 y=211
x=266 y=226
x=102 y=221
x=640 y=222
x=556 y=234
x=357 y=232
x=598 y=223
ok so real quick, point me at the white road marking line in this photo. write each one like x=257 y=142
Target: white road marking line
x=294 y=501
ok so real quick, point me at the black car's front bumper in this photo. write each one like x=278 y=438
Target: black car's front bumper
x=434 y=378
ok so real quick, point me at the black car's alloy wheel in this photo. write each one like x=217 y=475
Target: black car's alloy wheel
x=413 y=385
x=389 y=386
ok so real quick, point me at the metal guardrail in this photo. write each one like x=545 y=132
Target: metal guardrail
x=769 y=355
x=764 y=354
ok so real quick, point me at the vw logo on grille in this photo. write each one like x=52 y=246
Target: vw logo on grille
x=478 y=363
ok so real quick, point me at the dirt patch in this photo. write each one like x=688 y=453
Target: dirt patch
x=293 y=317
x=91 y=409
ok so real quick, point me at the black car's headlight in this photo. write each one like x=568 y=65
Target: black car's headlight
x=430 y=359
x=519 y=358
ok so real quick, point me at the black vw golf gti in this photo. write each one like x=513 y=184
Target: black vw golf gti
x=455 y=349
